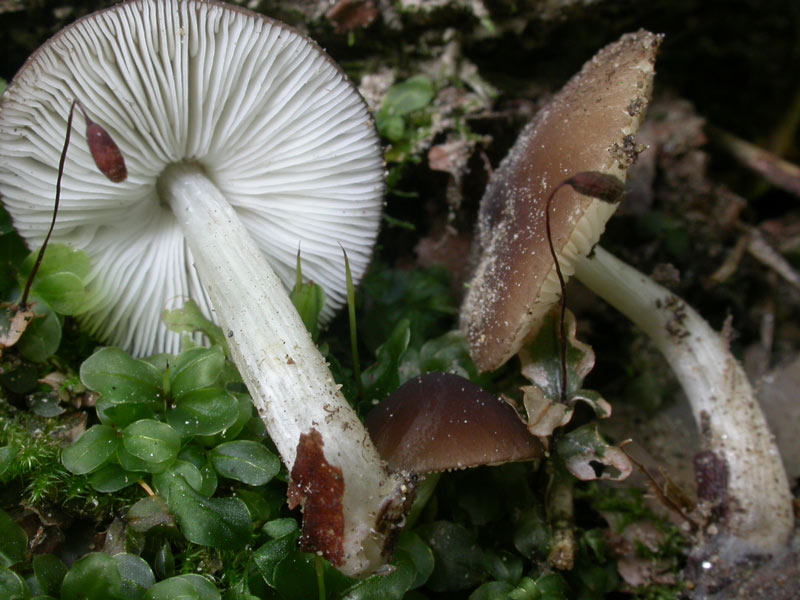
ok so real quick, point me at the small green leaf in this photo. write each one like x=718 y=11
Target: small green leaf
x=60 y=279
x=204 y=411
x=12 y=586
x=494 y=590
x=245 y=461
x=218 y=522
x=183 y=587
x=541 y=357
x=268 y=556
x=7 y=456
x=121 y=378
x=123 y=414
x=64 y=292
x=503 y=565
x=410 y=95
x=183 y=468
x=458 y=557
x=135 y=573
x=92 y=450
x=149 y=512
x=94 y=576
x=50 y=572
x=164 y=562
x=151 y=441
x=259 y=507
x=198 y=458
x=245 y=412
x=58 y=258
x=13 y=541
x=43 y=334
x=134 y=464
x=112 y=478
x=45 y=404
x=194 y=369
x=279 y=528
x=381 y=378
x=190 y=319
x=532 y=534
x=448 y=353
x=308 y=298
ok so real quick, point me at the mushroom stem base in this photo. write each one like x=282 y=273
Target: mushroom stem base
x=288 y=379
x=745 y=482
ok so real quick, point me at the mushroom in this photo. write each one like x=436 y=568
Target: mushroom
x=243 y=140
x=440 y=422
x=589 y=127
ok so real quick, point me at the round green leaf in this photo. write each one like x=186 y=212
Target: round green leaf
x=123 y=414
x=64 y=292
x=12 y=586
x=218 y=522
x=135 y=573
x=43 y=334
x=151 y=441
x=245 y=461
x=245 y=404
x=113 y=373
x=183 y=468
x=149 y=512
x=458 y=557
x=492 y=591
x=194 y=369
x=197 y=457
x=134 y=464
x=94 y=576
x=91 y=451
x=112 y=478
x=58 y=258
x=50 y=572
x=183 y=587
x=13 y=541
x=204 y=411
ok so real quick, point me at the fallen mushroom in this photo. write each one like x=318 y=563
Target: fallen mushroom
x=242 y=139
x=589 y=127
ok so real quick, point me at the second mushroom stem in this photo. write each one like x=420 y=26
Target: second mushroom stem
x=287 y=377
x=755 y=496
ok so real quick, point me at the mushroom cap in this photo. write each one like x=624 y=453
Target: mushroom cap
x=588 y=126
x=269 y=117
x=441 y=421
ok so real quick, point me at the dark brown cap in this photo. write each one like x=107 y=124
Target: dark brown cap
x=588 y=126
x=438 y=422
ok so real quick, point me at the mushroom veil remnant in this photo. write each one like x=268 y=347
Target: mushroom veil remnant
x=589 y=126
x=243 y=141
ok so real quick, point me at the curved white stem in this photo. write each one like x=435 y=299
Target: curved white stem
x=286 y=375
x=758 y=503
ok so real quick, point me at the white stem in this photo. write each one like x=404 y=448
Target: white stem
x=758 y=502
x=287 y=377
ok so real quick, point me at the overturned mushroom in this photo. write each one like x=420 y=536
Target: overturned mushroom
x=440 y=421
x=242 y=140
x=589 y=127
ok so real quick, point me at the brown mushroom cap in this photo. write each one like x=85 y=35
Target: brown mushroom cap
x=441 y=421
x=588 y=126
